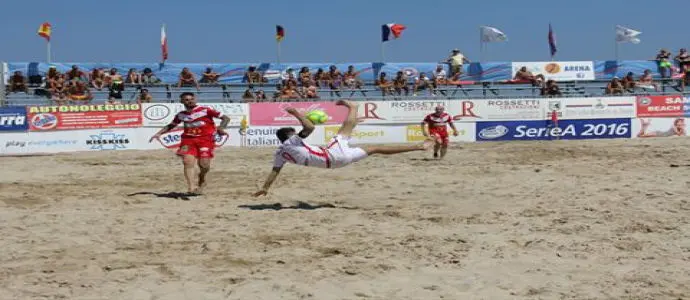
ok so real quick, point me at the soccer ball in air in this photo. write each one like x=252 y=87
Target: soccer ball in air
x=317 y=116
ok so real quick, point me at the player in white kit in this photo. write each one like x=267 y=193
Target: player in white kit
x=337 y=154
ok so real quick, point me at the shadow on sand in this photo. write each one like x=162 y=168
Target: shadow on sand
x=299 y=205
x=170 y=195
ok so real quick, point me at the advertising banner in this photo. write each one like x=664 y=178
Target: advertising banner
x=397 y=112
x=659 y=127
x=274 y=114
x=545 y=130
x=660 y=106
x=265 y=136
x=591 y=108
x=161 y=114
x=367 y=134
x=559 y=70
x=13 y=119
x=69 y=117
x=413 y=133
x=69 y=141
x=172 y=139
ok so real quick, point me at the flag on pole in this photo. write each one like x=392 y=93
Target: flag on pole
x=280 y=33
x=391 y=30
x=45 y=30
x=491 y=34
x=552 y=41
x=164 y=43
x=624 y=34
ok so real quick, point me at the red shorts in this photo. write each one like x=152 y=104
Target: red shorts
x=199 y=147
x=441 y=134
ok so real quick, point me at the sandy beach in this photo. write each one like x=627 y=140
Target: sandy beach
x=605 y=219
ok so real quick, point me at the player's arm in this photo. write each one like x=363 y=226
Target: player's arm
x=307 y=126
x=271 y=178
x=165 y=129
x=452 y=126
x=425 y=127
x=225 y=120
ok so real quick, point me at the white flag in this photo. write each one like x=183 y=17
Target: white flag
x=624 y=34
x=490 y=34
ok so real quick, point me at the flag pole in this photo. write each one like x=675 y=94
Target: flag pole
x=48 y=48
x=481 y=45
x=278 y=54
x=383 y=56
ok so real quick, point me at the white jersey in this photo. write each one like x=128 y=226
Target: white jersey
x=338 y=153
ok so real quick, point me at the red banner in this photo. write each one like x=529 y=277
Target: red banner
x=274 y=114
x=660 y=106
x=42 y=118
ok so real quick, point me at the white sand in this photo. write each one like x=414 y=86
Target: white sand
x=553 y=220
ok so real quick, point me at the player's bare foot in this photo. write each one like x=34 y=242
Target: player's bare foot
x=200 y=190
x=347 y=103
x=428 y=143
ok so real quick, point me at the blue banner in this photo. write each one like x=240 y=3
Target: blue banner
x=13 y=119
x=545 y=130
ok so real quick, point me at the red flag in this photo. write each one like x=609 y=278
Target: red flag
x=391 y=30
x=164 y=43
x=45 y=30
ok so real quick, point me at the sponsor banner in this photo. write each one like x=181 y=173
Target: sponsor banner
x=544 y=130
x=274 y=114
x=43 y=118
x=660 y=127
x=13 y=119
x=69 y=141
x=413 y=112
x=364 y=134
x=591 y=108
x=172 y=139
x=265 y=136
x=161 y=114
x=558 y=70
x=660 y=106
x=413 y=133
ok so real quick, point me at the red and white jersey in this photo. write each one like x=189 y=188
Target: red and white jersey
x=296 y=151
x=435 y=120
x=199 y=122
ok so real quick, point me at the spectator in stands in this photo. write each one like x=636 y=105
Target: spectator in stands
x=60 y=98
x=97 y=78
x=17 y=83
x=57 y=84
x=144 y=96
x=252 y=76
x=311 y=92
x=551 y=89
x=149 y=78
x=682 y=59
x=133 y=77
x=456 y=60
x=115 y=85
x=52 y=73
x=290 y=79
x=663 y=60
x=321 y=78
x=424 y=83
x=384 y=85
x=454 y=80
x=335 y=79
x=439 y=78
x=615 y=87
x=260 y=96
x=524 y=75
x=646 y=81
x=277 y=93
x=80 y=92
x=76 y=75
x=305 y=79
x=400 y=84
x=289 y=92
x=209 y=76
x=248 y=96
x=629 y=82
x=351 y=78
x=187 y=79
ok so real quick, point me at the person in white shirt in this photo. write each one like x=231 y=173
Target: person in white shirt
x=337 y=154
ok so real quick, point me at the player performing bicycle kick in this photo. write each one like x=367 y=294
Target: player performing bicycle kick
x=434 y=125
x=337 y=154
x=198 y=141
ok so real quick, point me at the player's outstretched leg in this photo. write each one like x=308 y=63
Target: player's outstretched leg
x=444 y=149
x=437 y=146
x=351 y=120
x=189 y=162
x=204 y=167
x=387 y=150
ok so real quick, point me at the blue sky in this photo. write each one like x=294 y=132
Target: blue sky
x=334 y=31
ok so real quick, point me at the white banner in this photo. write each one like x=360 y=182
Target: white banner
x=161 y=114
x=592 y=108
x=660 y=127
x=369 y=134
x=558 y=70
x=413 y=112
x=265 y=136
x=70 y=141
x=413 y=133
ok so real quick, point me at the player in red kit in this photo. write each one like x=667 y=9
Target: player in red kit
x=434 y=125
x=198 y=141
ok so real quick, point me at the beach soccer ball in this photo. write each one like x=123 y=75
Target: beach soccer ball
x=317 y=116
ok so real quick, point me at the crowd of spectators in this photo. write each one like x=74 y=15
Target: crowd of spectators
x=76 y=86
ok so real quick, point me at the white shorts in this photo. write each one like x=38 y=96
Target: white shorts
x=341 y=154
